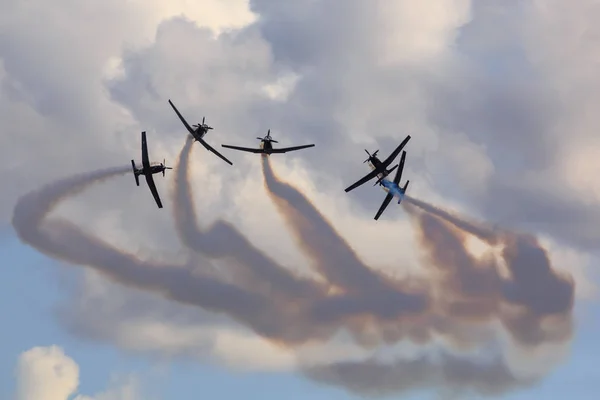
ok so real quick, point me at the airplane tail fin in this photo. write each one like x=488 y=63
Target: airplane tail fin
x=403 y=192
x=135 y=175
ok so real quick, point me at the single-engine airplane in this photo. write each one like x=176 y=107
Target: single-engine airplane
x=393 y=188
x=198 y=131
x=266 y=147
x=379 y=167
x=148 y=170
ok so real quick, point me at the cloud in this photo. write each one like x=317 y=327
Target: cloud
x=488 y=91
x=48 y=373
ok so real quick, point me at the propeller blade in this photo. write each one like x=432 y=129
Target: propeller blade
x=202 y=120
x=259 y=138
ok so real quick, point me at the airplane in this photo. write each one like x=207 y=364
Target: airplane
x=148 y=170
x=393 y=188
x=266 y=147
x=198 y=131
x=379 y=167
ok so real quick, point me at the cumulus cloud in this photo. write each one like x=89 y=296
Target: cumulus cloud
x=48 y=373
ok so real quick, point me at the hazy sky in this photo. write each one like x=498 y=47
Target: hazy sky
x=500 y=98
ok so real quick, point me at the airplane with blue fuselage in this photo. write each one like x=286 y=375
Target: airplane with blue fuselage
x=379 y=167
x=393 y=188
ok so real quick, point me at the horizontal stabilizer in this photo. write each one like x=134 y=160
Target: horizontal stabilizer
x=135 y=175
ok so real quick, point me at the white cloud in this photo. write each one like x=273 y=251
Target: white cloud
x=418 y=32
x=48 y=373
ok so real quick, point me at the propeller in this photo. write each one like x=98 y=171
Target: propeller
x=371 y=155
x=267 y=138
x=202 y=125
x=164 y=166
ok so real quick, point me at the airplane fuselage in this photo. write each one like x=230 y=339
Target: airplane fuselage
x=266 y=146
x=393 y=188
x=374 y=162
x=199 y=133
x=154 y=169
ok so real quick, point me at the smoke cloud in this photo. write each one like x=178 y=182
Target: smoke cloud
x=533 y=294
x=467 y=296
x=62 y=240
x=223 y=241
x=458 y=304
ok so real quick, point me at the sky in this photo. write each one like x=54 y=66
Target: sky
x=265 y=277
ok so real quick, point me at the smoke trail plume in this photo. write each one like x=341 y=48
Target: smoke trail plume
x=534 y=302
x=372 y=292
x=465 y=295
x=467 y=298
x=482 y=232
x=222 y=240
x=318 y=314
x=61 y=239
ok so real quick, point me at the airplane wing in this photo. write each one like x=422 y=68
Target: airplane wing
x=249 y=150
x=400 y=167
x=364 y=180
x=385 y=203
x=395 y=153
x=188 y=127
x=286 y=149
x=152 y=187
x=382 y=167
x=210 y=148
x=145 y=159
